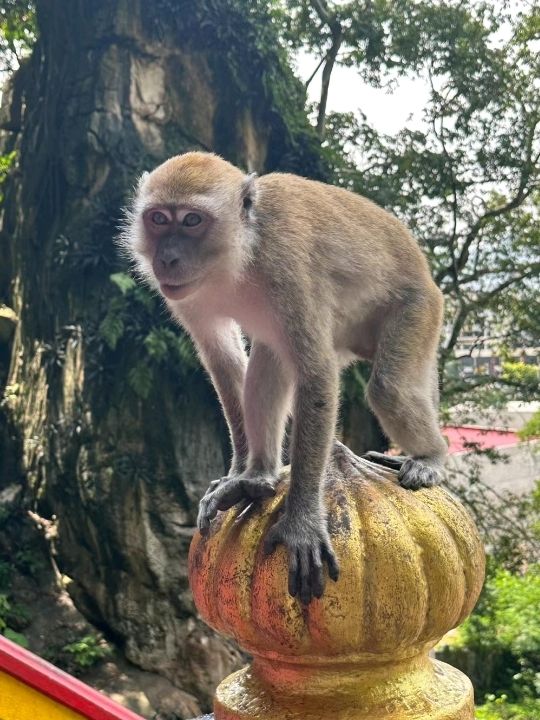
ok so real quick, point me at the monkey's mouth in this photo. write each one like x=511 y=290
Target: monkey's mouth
x=180 y=291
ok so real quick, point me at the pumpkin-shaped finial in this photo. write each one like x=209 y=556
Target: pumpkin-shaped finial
x=412 y=566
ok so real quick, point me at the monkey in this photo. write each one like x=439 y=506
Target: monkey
x=316 y=277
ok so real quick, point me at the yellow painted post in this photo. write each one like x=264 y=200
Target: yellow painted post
x=20 y=702
x=412 y=566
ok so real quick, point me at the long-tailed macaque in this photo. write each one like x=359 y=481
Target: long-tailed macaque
x=316 y=277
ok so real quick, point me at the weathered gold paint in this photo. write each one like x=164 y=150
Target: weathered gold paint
x=412 y=566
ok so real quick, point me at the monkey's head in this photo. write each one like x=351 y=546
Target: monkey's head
x=190 y=222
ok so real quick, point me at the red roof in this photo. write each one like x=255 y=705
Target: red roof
x=464 y=438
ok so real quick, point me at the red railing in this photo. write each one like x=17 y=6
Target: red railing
x=58 y=685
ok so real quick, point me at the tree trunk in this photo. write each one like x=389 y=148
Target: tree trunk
x=358 y=426
x=118 y=438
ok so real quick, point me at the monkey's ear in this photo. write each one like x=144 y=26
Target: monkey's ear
x=248 y=194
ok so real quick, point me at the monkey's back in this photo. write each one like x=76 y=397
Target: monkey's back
x=334 y=231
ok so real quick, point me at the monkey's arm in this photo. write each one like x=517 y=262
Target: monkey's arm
x=266 y=405
x=223 y=355
x=302 y=528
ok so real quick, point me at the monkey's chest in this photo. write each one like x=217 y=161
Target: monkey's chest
x=250 y=308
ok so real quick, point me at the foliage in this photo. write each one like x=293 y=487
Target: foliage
x=507 y=613
x=522 y=375
x=135 y=328
x=6 y=163
x=247 y=54
x=88 y=651
x=5 y=608
x=505 y=629
x=509 y=523
x=5 y=574
x=498 y=708
x=17 y=32
x=12 y=615
x=531 y=429
x=16 y=637
x=28 y=561
x=466 y=182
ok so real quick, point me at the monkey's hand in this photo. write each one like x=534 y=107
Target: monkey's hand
x=309 y=546
x=223 y=494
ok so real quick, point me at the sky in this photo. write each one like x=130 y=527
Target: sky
x=387 y=111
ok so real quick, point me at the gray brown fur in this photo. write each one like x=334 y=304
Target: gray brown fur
x=317 y=277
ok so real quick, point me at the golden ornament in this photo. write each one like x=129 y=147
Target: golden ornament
x=412 y=566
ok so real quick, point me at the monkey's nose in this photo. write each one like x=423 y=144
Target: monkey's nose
x=168 y=263
x=168 y=256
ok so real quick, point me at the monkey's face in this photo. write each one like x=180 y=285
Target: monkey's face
x=186 y=227
x=178 y=243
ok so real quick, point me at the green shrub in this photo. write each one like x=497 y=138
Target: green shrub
x=5 y=575
x=500 y=709
x=13 y=617
x=503 y=634
x=88 y=650
x=5 y=609
x=531 y=429
x=16 y=637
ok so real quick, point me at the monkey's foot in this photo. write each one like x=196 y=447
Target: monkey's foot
x=394 y=462
x=309 y=546
x=416 y=473
x=228 y=491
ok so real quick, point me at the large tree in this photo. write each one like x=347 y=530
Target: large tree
x=117 y=429
x=467 y=180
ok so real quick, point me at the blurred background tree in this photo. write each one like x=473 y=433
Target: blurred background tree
x=108 y=426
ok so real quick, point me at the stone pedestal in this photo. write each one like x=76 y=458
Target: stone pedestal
x=412 y=566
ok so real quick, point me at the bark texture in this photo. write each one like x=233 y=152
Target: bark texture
x=114 y=87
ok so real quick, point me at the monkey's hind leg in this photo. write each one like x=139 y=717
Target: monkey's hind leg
x=403 y=388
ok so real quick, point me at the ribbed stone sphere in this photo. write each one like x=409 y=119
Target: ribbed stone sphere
x=412 y=566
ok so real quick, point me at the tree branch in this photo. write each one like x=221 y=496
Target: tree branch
x=528 y=169
x=325 y=83
x=310 y=78
x=330 y=18
x=324 y=13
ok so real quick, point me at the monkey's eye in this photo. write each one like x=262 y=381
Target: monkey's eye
x=192 y=219
x=159 y=218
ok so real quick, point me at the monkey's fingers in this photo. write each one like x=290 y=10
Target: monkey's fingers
x=304 y=556
x=273 y=539
x=317 y=574
x=213 y=485
x=212 y=502
x=228 y=495
x=234 y=491
x=329 y=556
x=293 y=585
x=229 y=492
x=260 y=489
x=203 y=520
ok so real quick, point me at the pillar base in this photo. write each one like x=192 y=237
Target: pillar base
x=416 y=689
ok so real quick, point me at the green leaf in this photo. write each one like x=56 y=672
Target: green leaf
x=16 y=637
x=123 y=282
x=156 y=343
x=531 y=429
x=141 y=379
x=111 y=328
